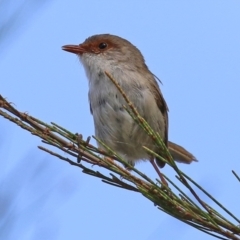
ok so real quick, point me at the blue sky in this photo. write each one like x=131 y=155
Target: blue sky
x=192 y=46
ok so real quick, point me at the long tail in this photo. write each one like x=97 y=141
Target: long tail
x=180 y=154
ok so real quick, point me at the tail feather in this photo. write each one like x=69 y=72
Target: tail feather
x=180 y=154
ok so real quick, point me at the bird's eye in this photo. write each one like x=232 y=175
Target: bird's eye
x=102 y=45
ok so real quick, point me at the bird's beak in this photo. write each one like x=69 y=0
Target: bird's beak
x=77 y=49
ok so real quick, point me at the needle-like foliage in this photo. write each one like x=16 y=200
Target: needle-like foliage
x=164 y=193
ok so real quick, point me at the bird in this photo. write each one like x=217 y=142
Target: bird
x=114 y=126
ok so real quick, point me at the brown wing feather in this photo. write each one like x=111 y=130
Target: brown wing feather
x=162 y=106
x=164 y=110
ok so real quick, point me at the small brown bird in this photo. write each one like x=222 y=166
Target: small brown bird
x=113 y=124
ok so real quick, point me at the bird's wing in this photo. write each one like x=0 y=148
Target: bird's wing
x=161 y=103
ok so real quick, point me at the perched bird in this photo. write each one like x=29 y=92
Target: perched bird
x=113 y=124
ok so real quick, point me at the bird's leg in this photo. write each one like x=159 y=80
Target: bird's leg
x=158 y=171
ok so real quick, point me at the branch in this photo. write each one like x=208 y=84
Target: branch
x=188 y=209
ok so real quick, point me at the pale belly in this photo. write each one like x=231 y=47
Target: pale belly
x=118 y=130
